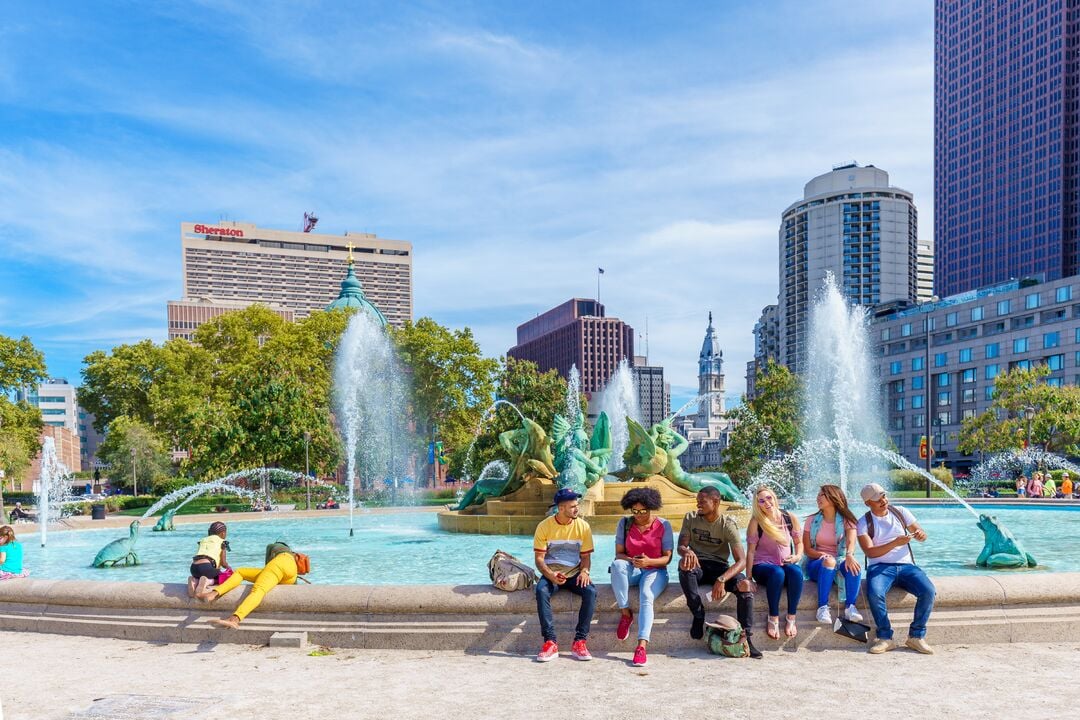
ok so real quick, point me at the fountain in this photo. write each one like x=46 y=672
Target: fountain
x=370 y=392
x=1012 y=463
x=53 y=487
x=619 y=399
x=190 y=492
x=841 y=433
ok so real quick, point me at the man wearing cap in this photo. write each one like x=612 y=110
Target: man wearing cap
x=1066 y=485
x=885 y=534
x=563 y=547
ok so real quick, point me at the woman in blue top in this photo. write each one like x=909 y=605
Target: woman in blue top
x=829 y=539
x=11 y=555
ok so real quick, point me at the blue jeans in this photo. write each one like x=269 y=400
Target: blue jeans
x=880 y=578
x=651 y=583
x=545 y=589
x=824 y=577
x=774 y=578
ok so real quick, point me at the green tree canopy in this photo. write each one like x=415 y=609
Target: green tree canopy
x=767 y=426
x=452 y=383
x=21 y=364
x=1055 y=424
x=131 y=443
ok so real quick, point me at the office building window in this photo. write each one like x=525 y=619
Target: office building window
x=988 y=392
x=916 y=402
x=1031 y=301
x=1063 y=294
x=969 y=395
x=905 y=330
x=952 y=319
x=944 y=398
x=896 y=368
x=967 y=413
x=1004 y=307
x=992 y=350
x=967 y=376
x=943 y=380
x=918 y=364
x=918 y=420
x=1053 y=381
x=917 y=382
x=1051 y=339
x=941 y=359
x=944 y=417
x=991 y=372
x=965 y=355
x=898 y=406
x=976 y=314
x=1020 y=345
x=898 y=386
x=1056 y=362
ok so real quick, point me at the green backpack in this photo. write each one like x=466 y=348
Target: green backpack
x=725 y=637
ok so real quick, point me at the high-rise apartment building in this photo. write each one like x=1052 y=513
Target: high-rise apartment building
x=924 y=289
x=1006 y=144
x=853 y=224
x=57 y=402
x=654 y=393
x=576 y=333
x=231 y=264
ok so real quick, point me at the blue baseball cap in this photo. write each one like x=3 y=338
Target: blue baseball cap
x=563 y=495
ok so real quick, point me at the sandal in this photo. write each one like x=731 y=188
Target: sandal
x=789 y=627
x=772 y=628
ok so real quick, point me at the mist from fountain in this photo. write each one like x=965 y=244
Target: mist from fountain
x=619 y=399
x=53 y=487
x=1011 y=463
x=487 y=415
x=190 y=492
x=370 y=395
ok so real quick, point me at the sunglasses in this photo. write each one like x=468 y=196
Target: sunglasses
x=641 y=512
x=766 y=499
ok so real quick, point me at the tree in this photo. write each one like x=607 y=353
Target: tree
x=118 y=384
x=767 y=426
x=21 y=365
x=452 y=383
x=131 y=447
x=539 y=396
x=1003 y=426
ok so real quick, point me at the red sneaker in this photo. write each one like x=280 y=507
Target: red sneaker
x=548 y=652
x=623 y=631
x=579 y=651
x=640 y=658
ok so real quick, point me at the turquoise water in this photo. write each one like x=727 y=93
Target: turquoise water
x=409 y=548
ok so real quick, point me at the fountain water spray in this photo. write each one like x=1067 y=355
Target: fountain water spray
x=619 y=399
x=54 y=487
x=487 y=415
x=191 y=492
x=370 y=395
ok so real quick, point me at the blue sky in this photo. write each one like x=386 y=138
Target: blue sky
x=518 y=146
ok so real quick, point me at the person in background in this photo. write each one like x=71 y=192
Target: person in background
x=563 y=547
x=643 y=547
x=829 y=540
x=209 y=559
x=1021 y=486
x=1066 y=485
x=1049 y=486
x=17 y=513
x=773 y=552
x=11 y=555
x=1035 y=485
x=885 y=534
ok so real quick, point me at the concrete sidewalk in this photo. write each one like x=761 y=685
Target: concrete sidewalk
x=60 y=677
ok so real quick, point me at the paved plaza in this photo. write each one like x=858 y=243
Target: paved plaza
x=59 y=677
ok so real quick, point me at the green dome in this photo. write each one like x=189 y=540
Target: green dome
x=352 y=296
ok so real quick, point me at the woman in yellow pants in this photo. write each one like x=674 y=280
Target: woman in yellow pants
x=281 y=570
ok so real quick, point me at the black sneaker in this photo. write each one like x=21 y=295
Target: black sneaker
x=754 y=652
x=697 y=628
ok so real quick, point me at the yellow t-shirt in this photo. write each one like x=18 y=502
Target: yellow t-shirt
x=210 y=546
x=564 y=544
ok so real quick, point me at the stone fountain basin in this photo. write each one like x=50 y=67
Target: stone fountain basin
x=478 y=618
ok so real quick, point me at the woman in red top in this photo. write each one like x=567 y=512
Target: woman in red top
x=643 y=546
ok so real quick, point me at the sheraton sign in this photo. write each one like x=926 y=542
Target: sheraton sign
x=228 y=232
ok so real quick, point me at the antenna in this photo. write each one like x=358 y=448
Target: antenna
x=646 y=339
x=309 y=221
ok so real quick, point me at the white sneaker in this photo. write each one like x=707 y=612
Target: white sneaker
x=823 y=615
x=852 y=614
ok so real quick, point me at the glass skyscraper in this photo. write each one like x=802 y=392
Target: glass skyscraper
x=1005 y=141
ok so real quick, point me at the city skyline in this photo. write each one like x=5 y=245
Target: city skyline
x=641 y=140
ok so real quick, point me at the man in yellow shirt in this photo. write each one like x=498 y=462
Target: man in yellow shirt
x=563 y=547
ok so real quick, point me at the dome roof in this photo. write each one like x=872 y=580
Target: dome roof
x=352 y=296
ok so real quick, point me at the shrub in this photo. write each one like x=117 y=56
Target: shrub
x=907 y=480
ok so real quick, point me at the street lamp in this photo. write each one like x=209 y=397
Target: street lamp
x=1029 y=415
x=134 y=480
x=307 y=467
x=935 y=441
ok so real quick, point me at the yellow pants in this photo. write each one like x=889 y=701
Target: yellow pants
x=279 y=571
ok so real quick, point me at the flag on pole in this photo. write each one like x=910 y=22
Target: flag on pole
x=600 y=270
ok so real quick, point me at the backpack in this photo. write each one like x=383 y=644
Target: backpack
x=726 y=638
x=303 y=562
x=510 y=574
x=869 y=517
